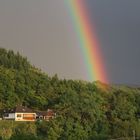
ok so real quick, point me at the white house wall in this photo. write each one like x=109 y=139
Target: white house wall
x=10 y=116
x=21 y=118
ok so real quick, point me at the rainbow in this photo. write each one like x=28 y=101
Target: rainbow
x=87 y=40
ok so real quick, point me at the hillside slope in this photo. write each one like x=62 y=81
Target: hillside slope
x=85 y=110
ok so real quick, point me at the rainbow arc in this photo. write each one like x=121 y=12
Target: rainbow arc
x=88 y=41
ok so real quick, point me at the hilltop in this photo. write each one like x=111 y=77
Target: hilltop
x=85 y=110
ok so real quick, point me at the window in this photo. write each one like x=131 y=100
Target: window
x=29 y=116
x=6 y=115
x=18 y=115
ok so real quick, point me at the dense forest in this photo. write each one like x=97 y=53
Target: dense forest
x=85 y=110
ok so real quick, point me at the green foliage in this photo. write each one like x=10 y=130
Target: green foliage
x=85 y=111
x=6 y=129
x=9 y=59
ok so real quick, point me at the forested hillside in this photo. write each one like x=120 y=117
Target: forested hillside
x=85 y=110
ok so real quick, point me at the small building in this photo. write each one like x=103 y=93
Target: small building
x=46 y=115
x=19 y=113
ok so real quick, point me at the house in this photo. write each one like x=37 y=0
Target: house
x=19 y=113
x=46 y=115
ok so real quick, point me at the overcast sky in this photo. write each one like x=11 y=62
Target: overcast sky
x=42 y=31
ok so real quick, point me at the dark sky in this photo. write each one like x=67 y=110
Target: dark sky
x=42 y=31
x=118 y=26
